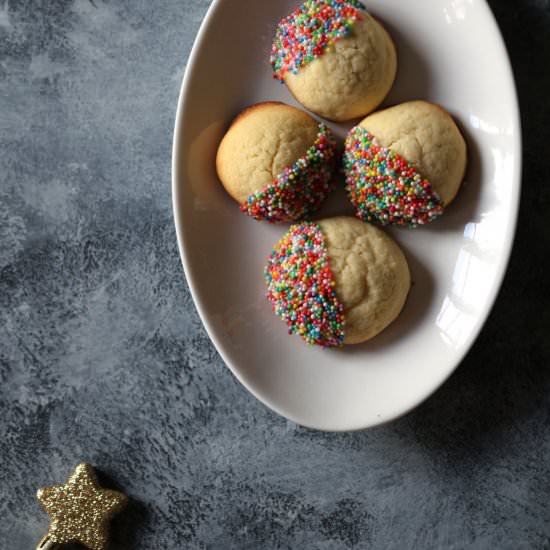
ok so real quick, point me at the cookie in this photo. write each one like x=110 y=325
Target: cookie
x=335 y=58
x=405 y=164
x=338 y=281
x=277 y=162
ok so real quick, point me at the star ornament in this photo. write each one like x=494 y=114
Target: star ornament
x=80 y=511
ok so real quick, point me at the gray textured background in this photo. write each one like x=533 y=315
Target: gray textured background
x=103 y=357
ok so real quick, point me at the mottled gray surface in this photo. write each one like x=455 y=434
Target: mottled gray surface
x=103 y=357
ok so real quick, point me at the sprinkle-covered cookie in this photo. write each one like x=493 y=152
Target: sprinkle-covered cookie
x=385 y=187
x=309 y=31
x=338 y=281
x=335 y=58
x=301 y=287
x=301 y=188
x=404 y=165
x=277 y=162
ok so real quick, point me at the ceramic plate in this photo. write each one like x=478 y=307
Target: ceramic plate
x=450 y=52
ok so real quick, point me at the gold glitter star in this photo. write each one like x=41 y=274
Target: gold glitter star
x=80 y=510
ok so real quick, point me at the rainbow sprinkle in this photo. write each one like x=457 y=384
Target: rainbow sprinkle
x=385 y=187
x=306 y=33
x=301 y=287
x=300 y=189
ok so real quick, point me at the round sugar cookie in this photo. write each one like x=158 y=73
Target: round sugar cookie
x=277 y=162
x=405 y=164
x=336 y=59
x=337 y=281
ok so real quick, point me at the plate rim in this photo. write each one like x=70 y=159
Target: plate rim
x=437 y=382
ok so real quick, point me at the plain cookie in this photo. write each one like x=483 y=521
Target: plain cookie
x=405 y=164
x=277 y=162
x=335 y=58
x=338 y=281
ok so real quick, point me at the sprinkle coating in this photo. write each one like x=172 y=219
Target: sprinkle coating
x=384 y=187
x=301 y=287
x=309 y=31
x=301 y=188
